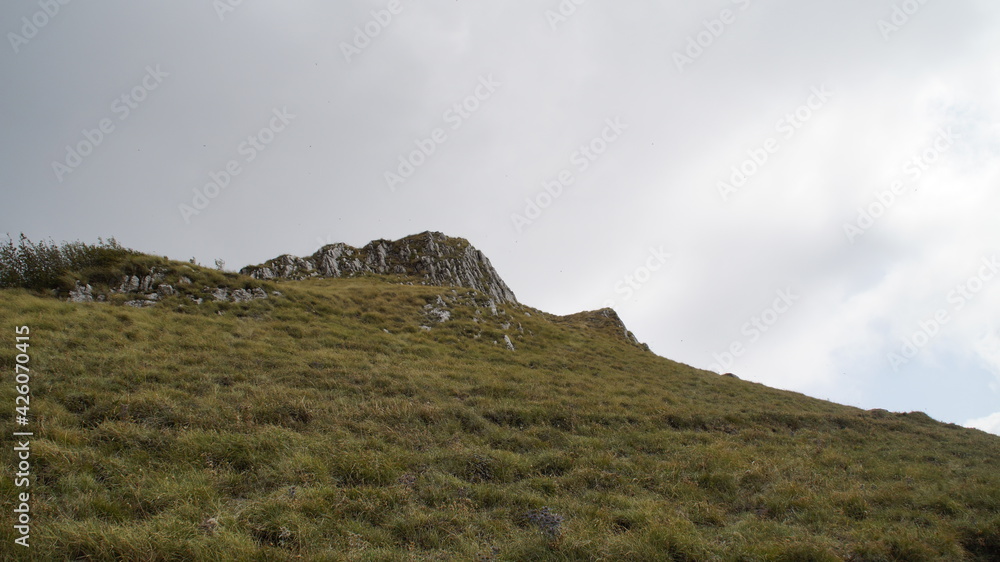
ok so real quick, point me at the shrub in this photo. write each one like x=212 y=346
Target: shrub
x=44 y=265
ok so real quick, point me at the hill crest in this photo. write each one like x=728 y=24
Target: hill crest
x=433 y=257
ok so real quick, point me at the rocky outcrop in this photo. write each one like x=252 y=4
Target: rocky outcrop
x=607 y=319
x=150 y=289
x=81 y=293
x=431 y=257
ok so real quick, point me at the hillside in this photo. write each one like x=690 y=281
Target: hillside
x=378 y=417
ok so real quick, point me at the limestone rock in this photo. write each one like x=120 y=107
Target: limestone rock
x=129 y=284
x=510 y=344
x=434 y=258
x=242 y=295
x=437 y=312
x=81 y=293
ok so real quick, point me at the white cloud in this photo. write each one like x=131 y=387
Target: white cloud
x=988 y=349
x=989 y=424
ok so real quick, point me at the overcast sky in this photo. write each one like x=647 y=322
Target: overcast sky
x=802 y=193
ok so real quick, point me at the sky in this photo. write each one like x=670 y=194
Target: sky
x=801 y=193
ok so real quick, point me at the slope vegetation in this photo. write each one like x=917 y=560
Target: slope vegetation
x=363 y=419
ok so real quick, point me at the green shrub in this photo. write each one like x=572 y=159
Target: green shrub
x=44 y=265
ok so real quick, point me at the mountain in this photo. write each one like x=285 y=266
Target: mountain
x=386 y=417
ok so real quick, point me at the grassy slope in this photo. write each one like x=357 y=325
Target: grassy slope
x=303 y=428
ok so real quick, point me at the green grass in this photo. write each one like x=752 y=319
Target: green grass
x=328 y=425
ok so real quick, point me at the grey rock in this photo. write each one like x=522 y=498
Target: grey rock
x=219 y=294
x=184 y=281
x=81 y=293
x=130 y=284
x=439 y=315
x=510 y=344
x=432 y=257
x=165 y=290
x=437 y=312
x=242 y=295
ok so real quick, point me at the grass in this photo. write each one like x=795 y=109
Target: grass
x=328 y=425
